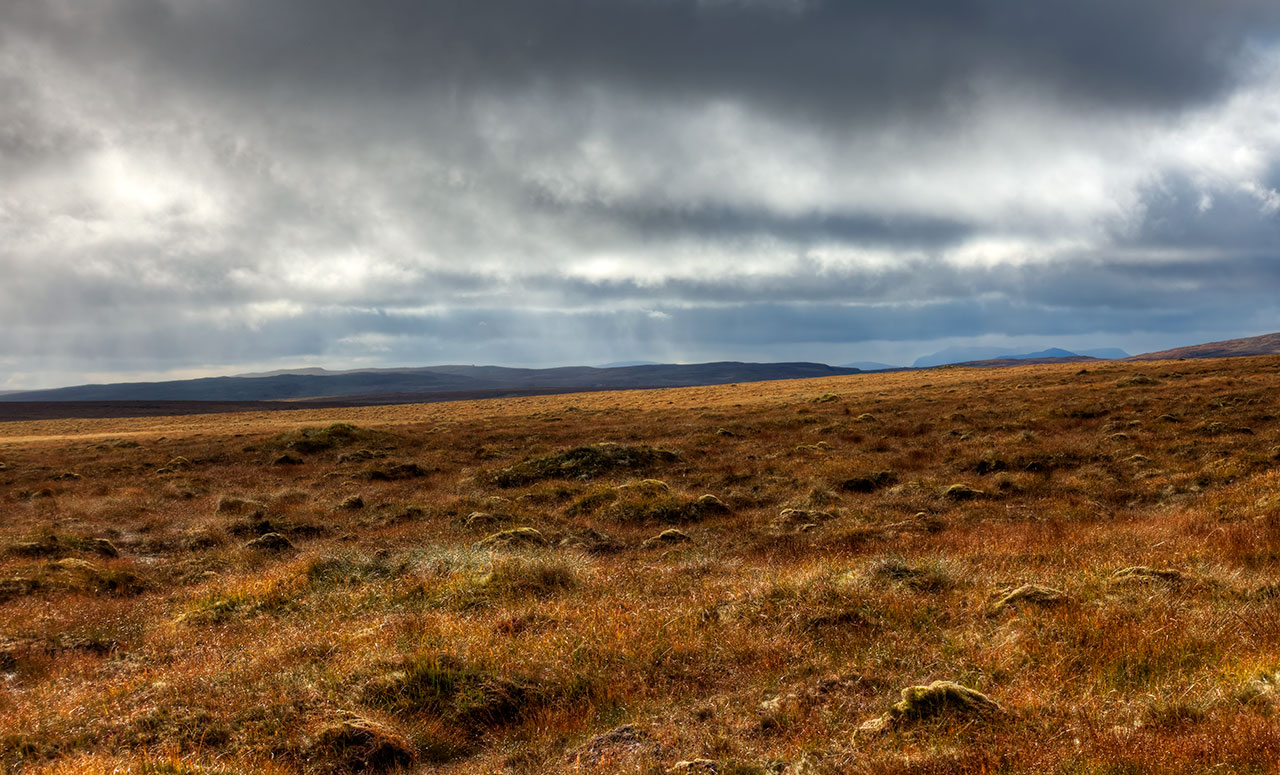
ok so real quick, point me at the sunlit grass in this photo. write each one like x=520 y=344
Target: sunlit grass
x=861 y=536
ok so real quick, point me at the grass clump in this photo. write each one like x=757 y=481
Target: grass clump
x=865 y=483
x=521 y=576
x=940 y=698
x=646 y=502
x=961 y=492
x=583 y=463
x=18 y=586
x=1137 y=380
x=515 y=538
x=645 y=487
x=218 y=609
x=1030 y=594
x=929 y=577
x=800 y=519
x=990 y=465
x=813 y=606
x=270 y=542
x=309 y=441
x=1142 y=573
x=350 y=569
x=639 y=509
x=707 y=505
x=84 y=576
x=394 y=473
x=480 y=519
x=1261 y=691
x=669 y=537
x=1171 y=713
x=229 y=504
x=626 y=739
x=53 y=545
x=355 y=744
x=241 y=602
x=468 y=696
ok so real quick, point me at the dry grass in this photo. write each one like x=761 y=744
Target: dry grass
x=481 y=587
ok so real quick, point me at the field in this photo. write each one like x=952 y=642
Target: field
x=735 y=579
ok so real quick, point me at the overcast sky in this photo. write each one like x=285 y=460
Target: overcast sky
x=192 y=187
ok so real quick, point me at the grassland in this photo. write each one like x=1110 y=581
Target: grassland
x=735 y=579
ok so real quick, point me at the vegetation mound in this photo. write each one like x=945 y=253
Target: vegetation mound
x=1142 y=573
x=609 y=746
x=394 y=473
x=583 y=463
x=865 y=483
x=961 y=492
x=668 y=537
x=540 y=577
x=650 y=488
x=309 y=441
x=927 y=577
x=940 y=698
x=228 y=504
x=646 y=502
x=1032 y=594
x=270 y=542
x=54 y=545
x=359 y=745
x=800 y=519
x=514 y=538
x=81 y=575
x=468 y=696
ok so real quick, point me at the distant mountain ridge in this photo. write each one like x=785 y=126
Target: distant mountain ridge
x=869 y=366
x=318 y=383
x=459 y=381
x=958 y=355
x=1104 y=353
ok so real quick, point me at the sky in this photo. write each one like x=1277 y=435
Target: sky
x=197 y=187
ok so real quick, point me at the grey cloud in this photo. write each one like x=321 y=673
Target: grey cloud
x=1180 y=215
x=721 y=222
x=825 y=58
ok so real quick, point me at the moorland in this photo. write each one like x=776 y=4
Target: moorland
x=1048 y=569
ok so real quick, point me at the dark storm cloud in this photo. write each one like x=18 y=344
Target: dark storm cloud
x=195 y=184
x=818 y=57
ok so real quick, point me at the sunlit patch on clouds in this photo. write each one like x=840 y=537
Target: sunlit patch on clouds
x=238 y=185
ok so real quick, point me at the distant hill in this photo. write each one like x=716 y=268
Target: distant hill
x=869 y=366
x=971 y=355
x=280 y=372
x=1267 y=344
x=961 y=355
x=1000 y=363
x=1105 y=353
x=312 y=383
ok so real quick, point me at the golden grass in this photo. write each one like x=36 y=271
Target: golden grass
x=872 y=530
